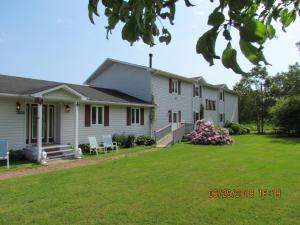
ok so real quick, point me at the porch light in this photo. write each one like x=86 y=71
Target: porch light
x=18 y=106
x=67 y=108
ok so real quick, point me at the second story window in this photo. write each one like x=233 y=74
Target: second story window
x=221 y=95
x=210 y=105
x=174 y=86
x=197 y=91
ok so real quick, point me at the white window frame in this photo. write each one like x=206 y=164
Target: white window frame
x=97 y=115
x=134 y=113
x=175 y=86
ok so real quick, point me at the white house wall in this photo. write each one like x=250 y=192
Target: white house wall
x=231 y=107
x=12 y=125
x=117 y=125
x=131 y=80
x=167 y=101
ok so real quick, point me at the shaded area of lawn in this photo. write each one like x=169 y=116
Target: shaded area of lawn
x=165 y=187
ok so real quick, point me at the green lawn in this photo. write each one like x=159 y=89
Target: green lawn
x=165 y=187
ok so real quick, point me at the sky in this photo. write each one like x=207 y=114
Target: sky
x=54 y=40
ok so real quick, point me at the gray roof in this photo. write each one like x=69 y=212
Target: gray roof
x=26 y=86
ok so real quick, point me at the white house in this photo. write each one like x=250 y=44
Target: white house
x=117 y=98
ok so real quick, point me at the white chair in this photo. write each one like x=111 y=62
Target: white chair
x=94 y=146
x=4 y=153
x=108 y=143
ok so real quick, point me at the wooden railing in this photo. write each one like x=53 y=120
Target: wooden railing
x=162 y=132
x=178 y=133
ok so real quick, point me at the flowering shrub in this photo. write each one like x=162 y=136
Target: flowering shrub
x=206 y=133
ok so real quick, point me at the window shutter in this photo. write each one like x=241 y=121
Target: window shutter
x=170 y=116
x=142 y=116
x=223 y=96
x=170 y=85
x=194 y=90
x=194 y=117
x=87 y=116
x=206 y=105
x=200 y=91
x=128 y=116
x=179 y=87
x=106 y=116
x=179 y=116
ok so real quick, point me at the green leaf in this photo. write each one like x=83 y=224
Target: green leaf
x=206 y=45
x=253 y=30
x=253 y=54
x=271 y=31
x=216 y=19
x=93 y=9
x=129 y=32
x=229 y=60
x=227 y=35
x=287 y=17
x=166 y=36
x=188 y=3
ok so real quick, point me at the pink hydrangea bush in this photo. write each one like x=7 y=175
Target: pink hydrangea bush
x=206 y=133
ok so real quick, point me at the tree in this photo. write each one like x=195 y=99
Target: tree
x=254 y=101
x=143 y=19
x=286 y=113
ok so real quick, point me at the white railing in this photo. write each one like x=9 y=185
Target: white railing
x=178 y=134
x=162 y=132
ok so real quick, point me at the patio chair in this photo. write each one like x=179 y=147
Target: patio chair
x=108 y=143
x=4 y=153
x=94 y=146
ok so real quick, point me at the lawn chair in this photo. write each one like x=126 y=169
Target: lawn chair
x=108 y=143
x=94 y=146
x=4 y=153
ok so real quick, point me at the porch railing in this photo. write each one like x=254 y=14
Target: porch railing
x=178 y=133
x=162 y=132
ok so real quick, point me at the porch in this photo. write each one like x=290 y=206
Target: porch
x=45 y=117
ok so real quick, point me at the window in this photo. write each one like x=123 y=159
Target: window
x=196 y=116
x=135 y=116
x=221 y=95
x=197 y=91
x=221 y=117
x=200 y=91
x=97 y=115
x=174 y=86
x=174 y=117
x=210 y=104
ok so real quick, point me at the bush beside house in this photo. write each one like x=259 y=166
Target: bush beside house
x=206 y=133
x=236 y=128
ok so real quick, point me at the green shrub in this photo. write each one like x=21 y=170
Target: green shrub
x=130 y=141
x=120 y=139
x=85 y=148
x=286 y=114
x=236 y=128
x=145 y=140
x=17 y=155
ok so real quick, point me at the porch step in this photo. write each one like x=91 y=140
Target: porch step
x=55 y=146
x=61 y=157
x=59 y=151
x=166 y=141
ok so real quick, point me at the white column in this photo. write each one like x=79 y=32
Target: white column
x=39 y=130
x=76 y=126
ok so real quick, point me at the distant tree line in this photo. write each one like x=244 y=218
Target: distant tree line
x=272 y=99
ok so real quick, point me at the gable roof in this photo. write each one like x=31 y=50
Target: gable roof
x=109 y=62
x=20 y=86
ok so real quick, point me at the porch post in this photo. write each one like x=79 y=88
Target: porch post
x=39 y=130
x=76 y=126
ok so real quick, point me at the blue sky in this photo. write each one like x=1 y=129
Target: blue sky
x=54 y=40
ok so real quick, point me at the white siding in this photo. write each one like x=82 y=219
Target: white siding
x=117 y=125
x=12 y=125
x=231 y=107
x=127 y=79
x=210 y=94
x=174 y=102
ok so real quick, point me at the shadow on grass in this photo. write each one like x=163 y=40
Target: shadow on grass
x=284 y=139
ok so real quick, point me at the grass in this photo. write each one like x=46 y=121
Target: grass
x=165 y=187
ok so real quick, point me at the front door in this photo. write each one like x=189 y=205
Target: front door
x=174 y=121
x=48 y=124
